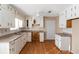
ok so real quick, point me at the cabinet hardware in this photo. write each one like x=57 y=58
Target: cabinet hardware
x=0 y=25
x=0 y=8
x=8 y=24
x=10 y=49
x=13 y=49
x=71 y=9
x=75 y=7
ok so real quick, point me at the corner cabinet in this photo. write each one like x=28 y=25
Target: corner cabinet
x=69 y=13
x=7 y=16
x=14 y=45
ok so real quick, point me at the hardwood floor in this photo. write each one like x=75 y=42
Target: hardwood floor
x=47 y=47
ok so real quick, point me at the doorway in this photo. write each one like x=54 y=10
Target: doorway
x=49 y=24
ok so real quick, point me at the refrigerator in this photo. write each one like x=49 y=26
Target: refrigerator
x=75 y=36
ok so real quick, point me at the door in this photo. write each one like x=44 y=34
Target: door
x=50 y=28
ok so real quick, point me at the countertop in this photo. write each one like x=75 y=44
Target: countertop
x=35 y=30
x=9 y=38
x=26 y=30
x=64 y=34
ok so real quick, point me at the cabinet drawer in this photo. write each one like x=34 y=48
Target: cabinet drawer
x=12 y=42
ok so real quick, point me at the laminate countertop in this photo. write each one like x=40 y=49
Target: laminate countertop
x=64 y=34
x=35 y=30
x=8 y=38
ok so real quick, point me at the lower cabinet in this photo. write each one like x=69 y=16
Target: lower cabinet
x=41 y=37
x=28 y=35
x=62 y=42
x=14 y=46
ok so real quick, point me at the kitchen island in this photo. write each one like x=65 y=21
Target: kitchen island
x=40 y=30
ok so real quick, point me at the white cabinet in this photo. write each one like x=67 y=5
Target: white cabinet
x=41 y=37
x=3 y=20
x=29 y=36
x=69 y=13
x=62 y=20
x=13 y=46
x=58 y=41
x=76 y=11
x=63 y=43
x=7 y=16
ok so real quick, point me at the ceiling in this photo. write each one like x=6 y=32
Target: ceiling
x=41 y=9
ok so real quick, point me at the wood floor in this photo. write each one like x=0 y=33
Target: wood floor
x=47 y=47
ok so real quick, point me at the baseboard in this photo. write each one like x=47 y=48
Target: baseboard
x=49 y=39
x=75 y=51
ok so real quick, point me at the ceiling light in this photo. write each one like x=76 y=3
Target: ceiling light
x=49 y=11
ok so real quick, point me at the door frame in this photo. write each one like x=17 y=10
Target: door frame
x=44 y=18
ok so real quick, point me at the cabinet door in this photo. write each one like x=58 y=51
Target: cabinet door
x=12 y=49
x=62 y=20
x=65 y=43
x=3 y=18
x=58 y=41
x=69 y=12
x=11 y=17
x=17 y=47
x=6 y=19
x=76 y=7
x=12 y=20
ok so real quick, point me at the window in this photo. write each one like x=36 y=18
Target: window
x=18 y=24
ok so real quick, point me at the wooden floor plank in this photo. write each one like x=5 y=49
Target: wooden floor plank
x=46 y=47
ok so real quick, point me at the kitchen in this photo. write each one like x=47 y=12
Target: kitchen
x=27 y=23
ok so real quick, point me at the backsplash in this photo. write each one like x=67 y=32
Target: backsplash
x=4 y=30
x=69 y=30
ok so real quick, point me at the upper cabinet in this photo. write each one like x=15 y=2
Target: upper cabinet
x=7 y=16
x=62 y=23
x=69 y=13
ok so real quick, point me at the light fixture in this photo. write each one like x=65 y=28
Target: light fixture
x=49 y=11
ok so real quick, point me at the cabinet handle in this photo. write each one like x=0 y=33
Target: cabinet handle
x=75 y=14
x=0 y=9
x=10 y=49
x=71 y=9
x=11 y=24
x=75 y=7
x=0 y=25
x=8 y=24
x=13 y=49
